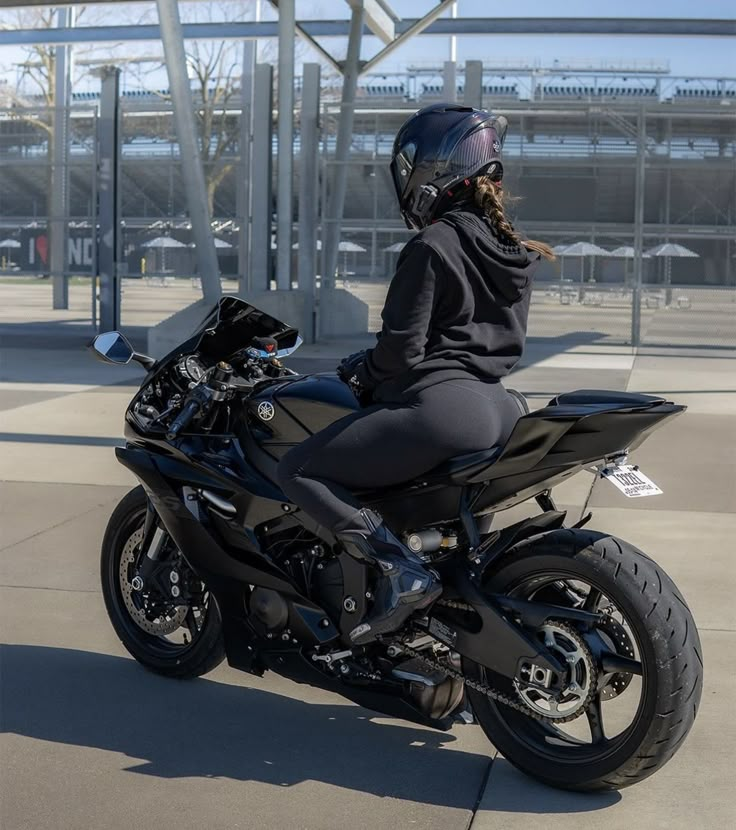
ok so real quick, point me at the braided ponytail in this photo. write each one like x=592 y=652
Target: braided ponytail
x=491 y=199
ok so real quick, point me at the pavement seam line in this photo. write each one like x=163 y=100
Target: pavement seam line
x=51 y=588
x=482 y=790
x=47 y=529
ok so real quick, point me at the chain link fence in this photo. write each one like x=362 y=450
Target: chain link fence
x=572 y=165
x=573 y=169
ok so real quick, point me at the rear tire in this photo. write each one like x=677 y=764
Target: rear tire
x=207 y=649
x=670 y=653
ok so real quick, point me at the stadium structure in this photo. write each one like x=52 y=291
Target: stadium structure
x=586 y=142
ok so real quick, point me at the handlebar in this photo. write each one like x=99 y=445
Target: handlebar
x=184 y=418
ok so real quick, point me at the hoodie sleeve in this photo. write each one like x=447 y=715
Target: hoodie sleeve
x=406 y=315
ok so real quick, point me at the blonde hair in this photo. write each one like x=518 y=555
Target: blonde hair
x=492 y=200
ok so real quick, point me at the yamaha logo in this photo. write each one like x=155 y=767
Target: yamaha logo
x=266 y=411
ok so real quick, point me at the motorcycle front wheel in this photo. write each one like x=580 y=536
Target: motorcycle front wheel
x=633 y=682
x=176 y=637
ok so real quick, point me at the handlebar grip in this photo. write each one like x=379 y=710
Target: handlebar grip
x=183 y=419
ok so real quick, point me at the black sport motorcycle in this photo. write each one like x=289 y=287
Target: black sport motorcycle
x=541 y=627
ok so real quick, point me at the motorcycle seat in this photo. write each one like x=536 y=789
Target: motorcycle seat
x=461 y=468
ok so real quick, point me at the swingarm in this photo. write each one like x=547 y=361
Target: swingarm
x=500 y=634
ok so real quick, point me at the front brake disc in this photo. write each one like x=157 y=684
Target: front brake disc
x=166 y=622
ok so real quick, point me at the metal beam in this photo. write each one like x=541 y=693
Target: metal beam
x=417 y=27
x=108 y=209
x=243 y=194
x=261 y=180
x=285 y=158
x=336 y=203
x=191 y=161
x=449 y=81
x=318 y=48
x=473 y=91
x=639 y=194
x=59 y=195
x=376 y=19
x=244 y=30
x=308 y=184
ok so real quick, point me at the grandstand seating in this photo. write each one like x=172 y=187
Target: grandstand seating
x=554 y=90
x=384 y=90
x=704 y=92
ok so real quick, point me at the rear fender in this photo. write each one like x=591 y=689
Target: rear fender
x=496 y=545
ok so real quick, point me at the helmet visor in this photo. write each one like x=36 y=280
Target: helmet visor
x=401 y=168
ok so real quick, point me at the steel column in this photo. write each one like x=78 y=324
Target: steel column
x=59 y=180
x=108 y=214
x=285 y=159
x=243 y=195
x=191 y=161
x=668 y=260
x=449 y=81
x=488 y=25
x=308 y=184
x=473 y=94
x=261 y=188
x=342 y=147
x=641 y=149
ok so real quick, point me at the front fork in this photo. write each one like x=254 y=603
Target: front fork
x=153 y=548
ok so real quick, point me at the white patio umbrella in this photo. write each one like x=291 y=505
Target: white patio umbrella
x=396 y=248
x=162 y=243
x=627 y=252
x=559 y=250
x=219 y=243
x=668 y=250
x=583 y=250
x=8 y=243
x=346 y=246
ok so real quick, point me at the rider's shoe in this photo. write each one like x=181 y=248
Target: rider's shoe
x=405 y=584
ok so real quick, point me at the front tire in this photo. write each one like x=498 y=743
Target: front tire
x=206 y=649
x=666 y=639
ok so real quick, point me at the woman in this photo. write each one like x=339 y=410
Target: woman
x=454 y=324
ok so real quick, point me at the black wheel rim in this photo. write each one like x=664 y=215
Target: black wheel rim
x=599 y=731
x=175 y=643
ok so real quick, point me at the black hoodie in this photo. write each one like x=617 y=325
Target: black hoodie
x=457 y=307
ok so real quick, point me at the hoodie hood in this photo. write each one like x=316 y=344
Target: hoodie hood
x=507 y=266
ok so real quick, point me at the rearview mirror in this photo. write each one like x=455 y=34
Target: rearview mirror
x=112 y=347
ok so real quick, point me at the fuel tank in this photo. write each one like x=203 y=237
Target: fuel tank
x=287 y=411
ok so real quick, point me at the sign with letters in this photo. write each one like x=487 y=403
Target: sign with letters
x=34 y=250
x=630 y=480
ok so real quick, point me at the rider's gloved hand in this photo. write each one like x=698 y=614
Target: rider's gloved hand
x=348 y=368
x=349 y=371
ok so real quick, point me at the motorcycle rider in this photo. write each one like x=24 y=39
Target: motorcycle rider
x=454 y=324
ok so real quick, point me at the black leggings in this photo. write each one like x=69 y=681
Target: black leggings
x=389 y=444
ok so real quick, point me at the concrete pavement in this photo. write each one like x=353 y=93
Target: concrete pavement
x=90 y=740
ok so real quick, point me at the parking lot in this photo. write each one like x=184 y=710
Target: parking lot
x=88 y=739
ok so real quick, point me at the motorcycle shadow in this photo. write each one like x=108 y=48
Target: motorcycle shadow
x=205 y=728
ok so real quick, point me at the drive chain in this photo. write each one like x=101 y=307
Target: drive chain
x=492 y=694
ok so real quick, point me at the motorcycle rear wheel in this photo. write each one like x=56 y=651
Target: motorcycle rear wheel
x=156 y=652
x=662 y=633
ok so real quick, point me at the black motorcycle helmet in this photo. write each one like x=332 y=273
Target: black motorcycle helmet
x=436 y=150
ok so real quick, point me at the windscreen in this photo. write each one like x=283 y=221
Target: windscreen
x=231 y=326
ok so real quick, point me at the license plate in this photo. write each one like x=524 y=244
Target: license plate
x=631 y=481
